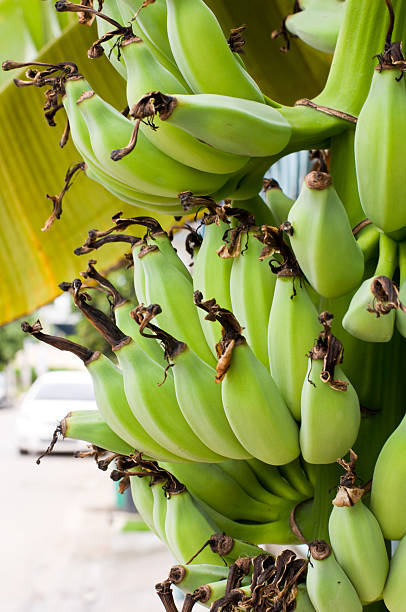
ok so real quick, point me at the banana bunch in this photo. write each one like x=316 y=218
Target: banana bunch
x=228 y=407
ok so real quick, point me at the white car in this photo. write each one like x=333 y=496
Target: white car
x=50 y=398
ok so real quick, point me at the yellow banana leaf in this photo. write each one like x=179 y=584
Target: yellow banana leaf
x=33 y=262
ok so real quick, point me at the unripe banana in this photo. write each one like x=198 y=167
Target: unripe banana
x=159 y=510
x=187 y=529
x=295 y=475
x=394 y=594
x=164 y=284
x=233 y=125
x=252 y=287
x=222 y=492
x=382 y=147
x=152 y=25
x=277 y=532
x=190 y=25
x=278 y=202
x=328 y=587
x=271 y=478
x=199 y=398
x=141 y=491
x=89 y=425
x=250 y=395
x=388 y=495
x=211 y=276
x=145 y=74
x=156 y=406
x=318 y=25
x=293 y=327
x=109 y=394
x=330 y=418
x=303 y=603
x=244 y=474
x=357 y=541
x=146 y=168
x=331 y=413
x=358 y=320
x=322 y=240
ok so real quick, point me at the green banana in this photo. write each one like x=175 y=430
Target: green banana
x=382 y=147
x=190 y=577
x=234 y=125
x=359 y=320
x=146 y=169
x=297 y=478
x=328 y=587
x=211 y=276
x=74 y=88
x=303 y=603
x=109 y=394
x=252 y=287
x=127 y=194
x=152 y=24
x=357 y=539
x=214 y=486
x=141 y=491
x=318 y=24
x=271 y=478
x=394 y=594
x=199 y=399
x=322 y=240
x=145 y=74
x=277 y=532
x=331 y=413
x=244 y=474
x=187 y=529
x=207 y=68
x=388 y=496
x=359 y=548
x=293 y=327
x=154 y=405
x=176 y=293
x=159 y=510
x=278 y=202
x=400 y=314
x=90 y=426
x=250 y=395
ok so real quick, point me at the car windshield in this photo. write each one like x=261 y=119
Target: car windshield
x=63 y=391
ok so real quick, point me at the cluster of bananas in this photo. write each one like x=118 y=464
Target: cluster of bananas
x=230 y=392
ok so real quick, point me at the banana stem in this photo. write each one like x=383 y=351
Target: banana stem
x=387 y=257
x=361 y=37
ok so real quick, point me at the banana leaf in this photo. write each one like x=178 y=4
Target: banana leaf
x=32 y=164
x=32 y=262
